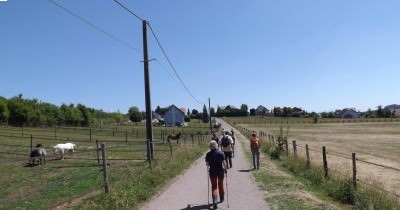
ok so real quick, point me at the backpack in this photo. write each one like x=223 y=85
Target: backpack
x=225 y=141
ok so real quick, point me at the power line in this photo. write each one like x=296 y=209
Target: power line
x=172 y=66
x=163 y=51
x=120 y=4
x=96 y=27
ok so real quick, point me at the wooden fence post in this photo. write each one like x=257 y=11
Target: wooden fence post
x=294 y=149
x=97 y=152
x=308 y=156
x=286 y=146
x=126 y=137
x=105 y=173
x=170 y=147
x=90 y=134
x=55 y=132
x=22 y=130
x=162 y=136
x=113 y=132
x=325 y=162
x=353 y=157
x=31 y=142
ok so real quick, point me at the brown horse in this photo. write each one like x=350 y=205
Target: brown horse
x=174 y=137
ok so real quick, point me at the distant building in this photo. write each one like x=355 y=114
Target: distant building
x=174 y=116
x=392 y=108
x=396 y=113
x=261 y=111
x=156 y=117
x=348 y=113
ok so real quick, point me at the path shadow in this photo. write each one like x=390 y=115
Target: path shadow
x=247 y=170
x=197 y=207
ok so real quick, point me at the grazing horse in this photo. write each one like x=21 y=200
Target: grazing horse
x=60 y=149
x=174 y=137
x=39 y=154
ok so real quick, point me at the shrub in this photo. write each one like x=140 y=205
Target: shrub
x=340 y=189
x=274 y=152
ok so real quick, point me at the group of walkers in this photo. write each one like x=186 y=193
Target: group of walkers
x=219 y=160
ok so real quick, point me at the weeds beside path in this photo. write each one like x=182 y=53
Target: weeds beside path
x=284 y=191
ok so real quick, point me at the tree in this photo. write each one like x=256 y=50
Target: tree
x=157 y=110
x=188 y=113
x=87 y=118
x=205 y=117
x=17 y=110
x=194 y=112
x=252 y=112
x=4 y=113
x=212 y=112
x=134 y=114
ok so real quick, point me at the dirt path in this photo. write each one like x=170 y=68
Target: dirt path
x=189 y=191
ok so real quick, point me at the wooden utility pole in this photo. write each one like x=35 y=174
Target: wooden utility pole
x=149 y=126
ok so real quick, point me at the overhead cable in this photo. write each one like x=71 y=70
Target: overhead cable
x=96 y=27
x=172 y=66
x=137 y=16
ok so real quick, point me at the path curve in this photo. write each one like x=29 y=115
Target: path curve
x=189 y=190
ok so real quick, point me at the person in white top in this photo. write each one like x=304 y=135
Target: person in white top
x=226 y=144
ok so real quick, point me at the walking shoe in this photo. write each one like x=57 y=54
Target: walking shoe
x=215 y=206
x=221 y=198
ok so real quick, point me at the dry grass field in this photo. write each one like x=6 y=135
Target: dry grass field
x=377 y=143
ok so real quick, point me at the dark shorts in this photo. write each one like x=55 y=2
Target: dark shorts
x=228 y=155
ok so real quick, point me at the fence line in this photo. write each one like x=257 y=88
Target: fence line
x=271 y=139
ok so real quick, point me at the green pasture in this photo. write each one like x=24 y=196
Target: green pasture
x=60 y=181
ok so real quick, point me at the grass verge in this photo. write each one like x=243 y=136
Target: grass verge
x=135 y=183
x=336 y=186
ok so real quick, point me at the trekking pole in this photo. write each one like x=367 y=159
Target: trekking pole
x=208 y=187
x=227 y=192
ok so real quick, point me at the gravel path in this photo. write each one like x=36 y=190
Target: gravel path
x=189 y=191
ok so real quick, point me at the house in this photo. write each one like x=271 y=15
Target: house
x=396 y=113
x=156 y=117
x=174 y=116
x=348 y=113
x=261 y=110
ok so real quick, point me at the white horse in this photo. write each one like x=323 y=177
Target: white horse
x=60 y=149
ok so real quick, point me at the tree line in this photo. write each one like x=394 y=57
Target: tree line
x=19 y=111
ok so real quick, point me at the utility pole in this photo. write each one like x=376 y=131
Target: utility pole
x=149 y=126
x=209 y=108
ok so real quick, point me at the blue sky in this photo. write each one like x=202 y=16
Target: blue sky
x=317 y=55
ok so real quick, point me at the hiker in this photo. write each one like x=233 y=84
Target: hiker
x=226 y=146
x=215 y=137
x=255 y=150
x=216 y=169
x=234 y=141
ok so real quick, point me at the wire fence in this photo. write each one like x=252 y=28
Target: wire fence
x=286 y=145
